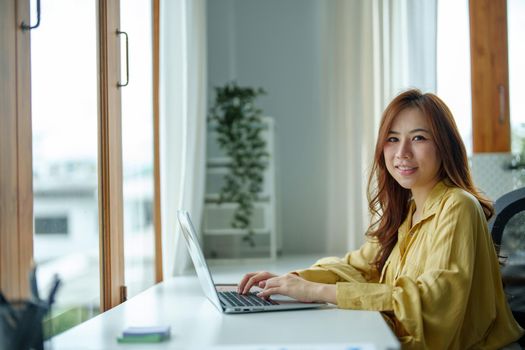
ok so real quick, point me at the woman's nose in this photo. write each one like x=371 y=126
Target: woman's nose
x=404 y=151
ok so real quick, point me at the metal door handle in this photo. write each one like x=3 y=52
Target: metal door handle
x=29 y=26
x=119 y=84
x=501 y=92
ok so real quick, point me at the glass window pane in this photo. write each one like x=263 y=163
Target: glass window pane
x=64 y=116
x=137 y=150
x=516 y=32
x=453 y=70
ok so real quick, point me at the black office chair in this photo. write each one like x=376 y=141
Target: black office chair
x=508 y=233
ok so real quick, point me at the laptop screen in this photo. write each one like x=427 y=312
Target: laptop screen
x=203 y=273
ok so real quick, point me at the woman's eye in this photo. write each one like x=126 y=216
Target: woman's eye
x=391 y=139
x=419 y=138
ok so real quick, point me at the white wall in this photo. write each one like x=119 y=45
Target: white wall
x=276 y=44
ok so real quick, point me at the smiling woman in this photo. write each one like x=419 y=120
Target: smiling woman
x=429 y=264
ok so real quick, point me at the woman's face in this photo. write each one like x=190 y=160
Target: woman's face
x=410 y=152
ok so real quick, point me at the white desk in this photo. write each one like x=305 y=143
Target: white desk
x=196 y=324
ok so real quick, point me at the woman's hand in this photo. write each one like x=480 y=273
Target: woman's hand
x=298 y=288
x=253 y=278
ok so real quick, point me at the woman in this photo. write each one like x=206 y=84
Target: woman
x=428 y=263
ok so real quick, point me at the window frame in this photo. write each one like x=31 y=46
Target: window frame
x=156 y=141
x=16 y=178
x=16 y=173
x=111 y=225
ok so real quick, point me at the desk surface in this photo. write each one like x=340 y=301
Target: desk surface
x=196 y=324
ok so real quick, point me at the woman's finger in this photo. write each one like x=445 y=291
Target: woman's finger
x=242 y=284
x=269 y=291
x=256 y=279
x=261 y=276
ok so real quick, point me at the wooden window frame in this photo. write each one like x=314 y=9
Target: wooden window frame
x=16 y=176
x=490 y=76
x=16 y=173
x=111 y=225
x=156 y=140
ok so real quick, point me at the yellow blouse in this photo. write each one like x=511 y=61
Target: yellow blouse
x=441 y=286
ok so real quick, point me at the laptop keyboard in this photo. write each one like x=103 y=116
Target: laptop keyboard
x=250 y=299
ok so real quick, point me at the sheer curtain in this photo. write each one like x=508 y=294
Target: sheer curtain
x=373 y=50
x=183 y=122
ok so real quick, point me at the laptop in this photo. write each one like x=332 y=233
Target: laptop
x=225 y=297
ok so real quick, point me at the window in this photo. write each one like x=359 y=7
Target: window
x=453 y=64
x=137 y=148
x=64 y=97
x=63 y=195
x=516 y=31
x=454 y=70
x=51 y=225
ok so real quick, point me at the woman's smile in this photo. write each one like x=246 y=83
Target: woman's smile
x=405 y=170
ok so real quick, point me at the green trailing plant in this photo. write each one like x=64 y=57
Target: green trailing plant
x=238 y=124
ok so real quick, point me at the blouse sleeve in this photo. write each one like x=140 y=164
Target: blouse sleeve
x=431 y=307
x=356 y=266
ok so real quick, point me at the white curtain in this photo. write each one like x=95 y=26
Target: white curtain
x=406 y=43
x=183 y=122
x=373 y=50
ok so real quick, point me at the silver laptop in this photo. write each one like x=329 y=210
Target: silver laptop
x=225 y=297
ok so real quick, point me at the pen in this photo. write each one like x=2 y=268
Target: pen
x=56 y=284
x=33 y=284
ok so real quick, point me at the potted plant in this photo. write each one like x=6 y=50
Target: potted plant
x=238 y=124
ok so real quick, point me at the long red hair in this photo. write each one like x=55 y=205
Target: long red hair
x=387 y=200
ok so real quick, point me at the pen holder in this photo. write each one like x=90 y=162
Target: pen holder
x=21 y=325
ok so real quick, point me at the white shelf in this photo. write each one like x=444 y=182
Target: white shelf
x=213 y=198
x=233 y=231
x=220 y=164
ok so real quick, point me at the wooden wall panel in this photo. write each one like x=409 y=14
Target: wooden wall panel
x=489 y=68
